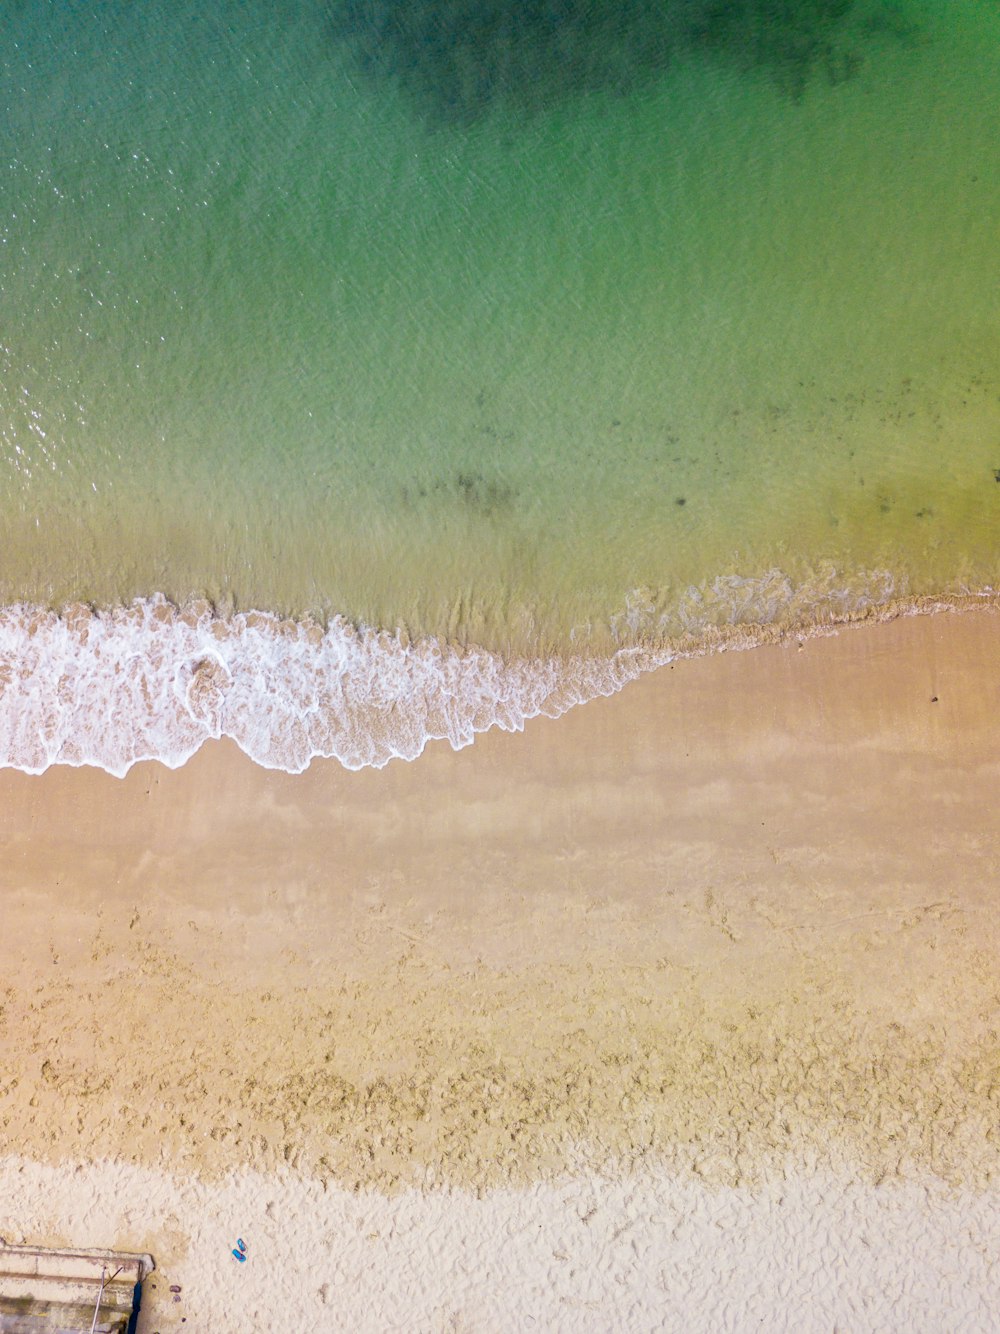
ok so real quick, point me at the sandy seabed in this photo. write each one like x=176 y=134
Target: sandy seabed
x=680 y=1012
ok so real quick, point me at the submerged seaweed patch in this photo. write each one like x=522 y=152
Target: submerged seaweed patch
x=461 y=58
x=485 y=496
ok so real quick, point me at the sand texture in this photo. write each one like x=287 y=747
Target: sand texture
x=716 y=941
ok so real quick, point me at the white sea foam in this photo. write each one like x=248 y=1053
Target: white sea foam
x=154 y=681
x=151 y=681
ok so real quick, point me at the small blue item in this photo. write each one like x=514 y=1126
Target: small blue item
x=241 y=1244
x=238 y=1255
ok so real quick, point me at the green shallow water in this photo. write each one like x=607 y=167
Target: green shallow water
x=293 y=320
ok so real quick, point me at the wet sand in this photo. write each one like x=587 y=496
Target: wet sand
x=733 y=930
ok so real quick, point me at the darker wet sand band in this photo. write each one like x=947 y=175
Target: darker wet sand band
x=743 y=912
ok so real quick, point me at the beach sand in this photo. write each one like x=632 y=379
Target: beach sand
x=680 y=1011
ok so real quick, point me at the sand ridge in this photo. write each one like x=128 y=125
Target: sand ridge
x=538 y=1075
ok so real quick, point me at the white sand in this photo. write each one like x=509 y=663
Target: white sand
x=650 y=1252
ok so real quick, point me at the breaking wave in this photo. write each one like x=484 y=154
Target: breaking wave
x=154 y=681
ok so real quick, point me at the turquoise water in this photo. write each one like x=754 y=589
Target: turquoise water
x=531 y=330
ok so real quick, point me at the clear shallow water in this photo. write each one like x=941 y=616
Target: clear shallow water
x=551 y=341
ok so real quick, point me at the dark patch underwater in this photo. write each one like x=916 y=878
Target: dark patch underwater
x=460 y=60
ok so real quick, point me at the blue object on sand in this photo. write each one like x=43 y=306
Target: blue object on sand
x=241 y=1244
x=239 y=1256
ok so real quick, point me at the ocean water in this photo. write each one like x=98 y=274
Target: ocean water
x=373 y=371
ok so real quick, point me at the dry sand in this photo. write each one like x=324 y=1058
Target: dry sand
x=721 y=949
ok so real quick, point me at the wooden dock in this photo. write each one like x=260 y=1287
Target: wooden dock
x=46 y=1291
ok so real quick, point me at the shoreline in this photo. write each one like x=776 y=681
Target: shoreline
x=720 y=815
x=734 y=924
x=289 y=692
